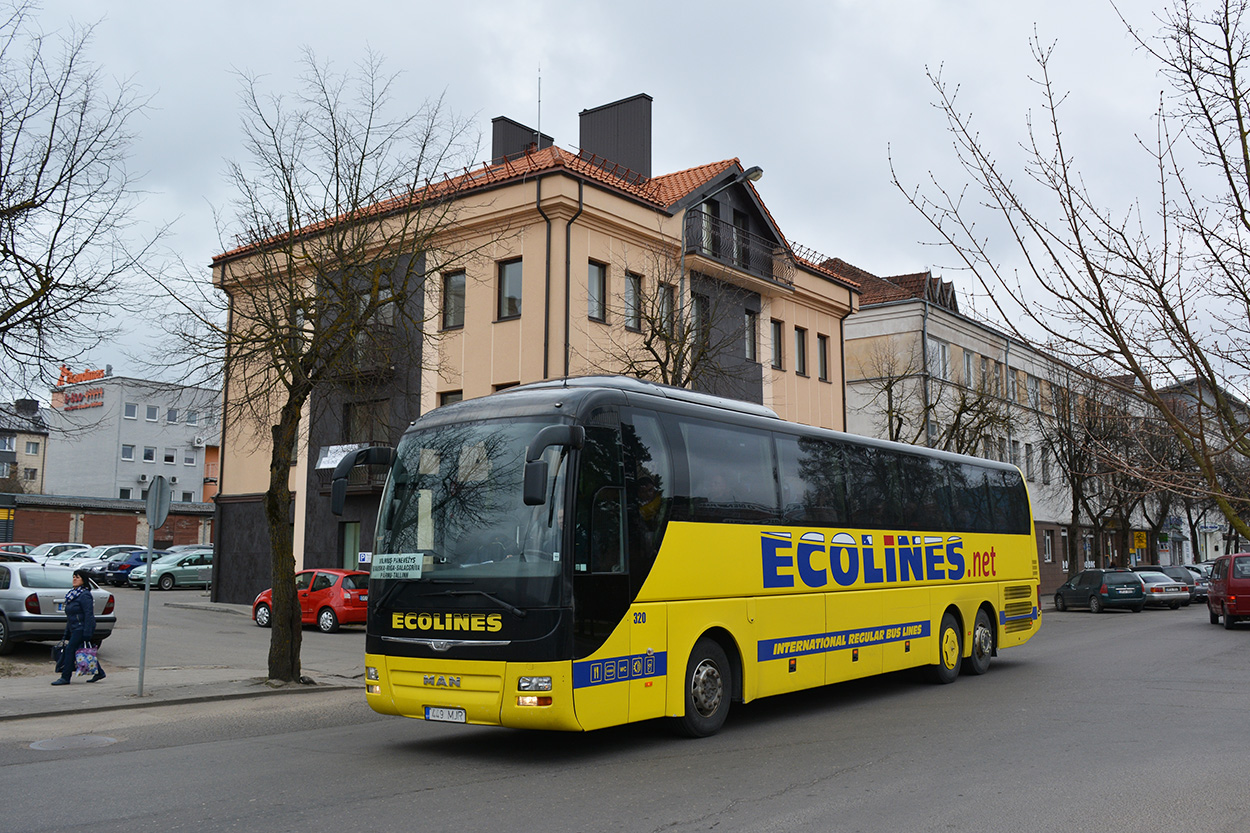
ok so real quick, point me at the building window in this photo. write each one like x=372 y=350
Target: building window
x=32 y=448
x=939 y=359
x=188 y=497
x=124 y=494
x=450 y=396
x=1048 y=554
x=1015 y=453
x=151 y=413
x=149 y=454
x=597 y=292
x=800 y=351
x=633 y=301
x=453 y=300
x=130 y=410
x=700 y=307
x=30 y=474
x=509 y=290
x=1035 y=393
x=778 y=328
x=751 y=328
x=504 y=386
x=193 y=417
x=667 y=303
x=1028 y=461
x=741 y=251
x=171 y=416
x=8 y=443
x=968 y=368
x=822 y=357
x=6 y=469
x=171 y=454
x=128 y=452
x=367 y=422
x=188 y=456
x=1002 y=450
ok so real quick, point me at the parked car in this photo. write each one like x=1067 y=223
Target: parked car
x=90 y=558
x=1101 y=589
x=1161 y=590
x=1177 y=572
x=178 y=569
x=43 y=552
x=1229 y=596
x=118 y=570
x=32 y=604
x=1202 y=581
x=17 y=547
x=327 y=597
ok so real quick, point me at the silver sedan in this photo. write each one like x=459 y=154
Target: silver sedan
x=1163 y=591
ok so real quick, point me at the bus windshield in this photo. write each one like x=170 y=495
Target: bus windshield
x=453 y=523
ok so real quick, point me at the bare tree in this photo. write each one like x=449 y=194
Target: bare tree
x=910 y=404
x=341 y=225
x=699 y=342
x=67 y=200
x=1159 y=288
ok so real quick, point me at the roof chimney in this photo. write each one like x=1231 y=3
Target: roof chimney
x=510 y=139
x=27 y=407
x=619 y=133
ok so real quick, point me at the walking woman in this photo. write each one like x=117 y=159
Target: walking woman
x=79 y=626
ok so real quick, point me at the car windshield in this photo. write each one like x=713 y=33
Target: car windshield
x=452 y=514
x=47 y=578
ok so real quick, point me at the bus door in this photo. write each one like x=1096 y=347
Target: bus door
x=602 y=635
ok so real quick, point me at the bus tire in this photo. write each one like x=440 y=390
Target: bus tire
x=978 y=662
x=707 y=685
x=950 y=650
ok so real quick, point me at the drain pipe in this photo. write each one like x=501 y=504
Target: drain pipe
x=568 y=270
x=538 y=204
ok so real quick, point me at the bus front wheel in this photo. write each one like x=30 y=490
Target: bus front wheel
x=950 y=649
x=707 y=689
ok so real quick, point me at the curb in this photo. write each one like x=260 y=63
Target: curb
x=261 y=691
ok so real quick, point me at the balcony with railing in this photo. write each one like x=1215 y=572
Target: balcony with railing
x=740 y=250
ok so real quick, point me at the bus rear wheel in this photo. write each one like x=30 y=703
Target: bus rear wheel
x=707 y=689
x=950 y=649
x=978 y=662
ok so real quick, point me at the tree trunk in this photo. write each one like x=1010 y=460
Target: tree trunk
x=286 y=634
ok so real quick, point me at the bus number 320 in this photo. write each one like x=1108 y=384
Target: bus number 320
x=640 y=618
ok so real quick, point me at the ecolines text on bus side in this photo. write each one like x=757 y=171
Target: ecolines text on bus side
x=843 y=561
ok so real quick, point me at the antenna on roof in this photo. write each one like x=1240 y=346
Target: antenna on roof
x=538 y=134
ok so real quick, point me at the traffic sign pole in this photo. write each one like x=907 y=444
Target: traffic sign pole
x=157 y=510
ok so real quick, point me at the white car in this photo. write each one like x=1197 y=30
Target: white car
x=85 y=559
x=44 y=552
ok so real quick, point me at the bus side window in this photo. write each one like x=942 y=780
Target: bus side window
x=648 y=485
x=597 y=524
x=607 y=548
x=813 y=481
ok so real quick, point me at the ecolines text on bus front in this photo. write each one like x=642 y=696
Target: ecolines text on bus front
x=844 y=561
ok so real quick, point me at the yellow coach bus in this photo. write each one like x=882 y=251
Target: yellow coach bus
x=588 y=552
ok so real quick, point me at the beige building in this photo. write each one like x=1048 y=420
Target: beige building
x=23 y=446
x=578 y=259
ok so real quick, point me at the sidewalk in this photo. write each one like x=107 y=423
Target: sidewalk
x=25 y=697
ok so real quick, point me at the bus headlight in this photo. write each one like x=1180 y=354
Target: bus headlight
x=533 y=684
x=532 y=700
x=371 y=673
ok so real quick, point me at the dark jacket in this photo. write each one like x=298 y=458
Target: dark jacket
x=80 y=616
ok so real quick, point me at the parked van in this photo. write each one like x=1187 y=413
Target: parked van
x=1229 y=595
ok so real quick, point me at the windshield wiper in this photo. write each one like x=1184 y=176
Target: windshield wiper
x=520 y=614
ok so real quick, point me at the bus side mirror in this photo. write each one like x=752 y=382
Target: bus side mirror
x=536 y=483
x=571 y=436
x=374 y=455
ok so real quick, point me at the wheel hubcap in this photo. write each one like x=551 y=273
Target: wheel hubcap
x=950 y=648
x=326 y=621
x=982 y=642
x=706 y=688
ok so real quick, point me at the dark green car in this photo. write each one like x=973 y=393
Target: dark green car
x=1102 y=589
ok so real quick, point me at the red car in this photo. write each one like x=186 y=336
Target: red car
x=327 y=597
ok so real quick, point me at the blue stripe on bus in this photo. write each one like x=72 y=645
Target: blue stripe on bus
x=794 y=646
x=619 y=669
x=1003 y=618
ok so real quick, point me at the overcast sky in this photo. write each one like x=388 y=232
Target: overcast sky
x=818 y=94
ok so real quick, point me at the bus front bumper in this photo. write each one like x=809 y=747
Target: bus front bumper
x=513 y=694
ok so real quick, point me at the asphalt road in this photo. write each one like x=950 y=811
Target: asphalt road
x=1117 y=722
